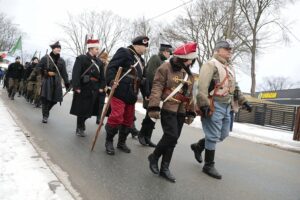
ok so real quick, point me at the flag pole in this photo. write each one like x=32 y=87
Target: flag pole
x=22 y=51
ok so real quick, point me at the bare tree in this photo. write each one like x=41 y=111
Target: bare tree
x=9 y=33
x=104 y=25
x=204 y=22
x=260 y=16
x=142 y=26
x=276 y=83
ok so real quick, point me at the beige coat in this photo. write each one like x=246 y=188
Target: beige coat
x=208 y=77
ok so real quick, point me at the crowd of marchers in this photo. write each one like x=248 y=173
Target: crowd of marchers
x=165 y=82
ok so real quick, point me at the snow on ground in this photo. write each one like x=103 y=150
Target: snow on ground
x=23 y=173
x=255 y=133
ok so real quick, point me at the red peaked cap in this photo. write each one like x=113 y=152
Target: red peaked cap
x=186 y=51
x=92 y=43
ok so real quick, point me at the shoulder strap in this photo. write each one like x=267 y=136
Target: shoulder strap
x=177 y=88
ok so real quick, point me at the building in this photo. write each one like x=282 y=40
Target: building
x=287 y=97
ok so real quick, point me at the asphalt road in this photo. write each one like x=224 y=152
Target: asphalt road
x=250 y=171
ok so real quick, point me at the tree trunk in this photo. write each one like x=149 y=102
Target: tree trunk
x=253 y=67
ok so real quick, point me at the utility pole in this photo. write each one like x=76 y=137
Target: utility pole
x=231 y=20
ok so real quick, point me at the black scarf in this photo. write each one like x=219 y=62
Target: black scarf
x=177 y=66
x=55 y=57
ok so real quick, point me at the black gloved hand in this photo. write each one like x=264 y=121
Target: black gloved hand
x=205 y=110
x=247 y=106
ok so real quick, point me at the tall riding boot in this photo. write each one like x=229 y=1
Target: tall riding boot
x=209 y=166
x=98 y=119
x=80 y=127
x=109 y=142
x=165 y=163
x=45 y=112
x=123 y=133
x=148 y=138
x=198 y=148
x=146 y=132
x=153 y=159
x=134 y=132
x=12 y=96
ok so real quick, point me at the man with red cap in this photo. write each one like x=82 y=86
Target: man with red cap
x=54 y=70
x=88 y=84
x=172 y=87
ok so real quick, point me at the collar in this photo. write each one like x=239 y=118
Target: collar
x=55 y=57
x=90 y=56
x=134 y=51
x=162 y=57
x=221 y=60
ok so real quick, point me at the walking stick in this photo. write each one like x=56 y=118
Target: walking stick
x=115 y=85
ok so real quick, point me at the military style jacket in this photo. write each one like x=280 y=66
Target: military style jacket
x=167 y=78
x=217 y=81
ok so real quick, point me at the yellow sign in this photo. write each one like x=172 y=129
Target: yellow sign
x=268 y=95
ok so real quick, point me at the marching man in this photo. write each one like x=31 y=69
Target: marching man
x=218 y=91
x=88 y=84
x=173 y=85
x=54 y=70
x=123 y=101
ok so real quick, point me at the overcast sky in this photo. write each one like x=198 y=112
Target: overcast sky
x=39 y=19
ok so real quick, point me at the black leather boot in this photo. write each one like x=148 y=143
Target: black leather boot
x=146 y=133
x=45 y=112
x=148 y=139
x=109 y=143
x=80 y=127
x=12 y=96
x=153 y=163
x=134 y=132
x=198 y=148
x=209 y=166
x=123 y=133
x=165 y=163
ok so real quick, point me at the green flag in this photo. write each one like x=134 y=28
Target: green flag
x=17 y=46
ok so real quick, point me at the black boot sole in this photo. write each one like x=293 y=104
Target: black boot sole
x=167 y=178
x=111 y=153
x=124 y=150
x=211 y=175
x=193 y=147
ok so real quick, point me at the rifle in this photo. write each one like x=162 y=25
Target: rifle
x=115 y=85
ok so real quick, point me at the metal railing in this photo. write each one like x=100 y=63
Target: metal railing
x=271 y=115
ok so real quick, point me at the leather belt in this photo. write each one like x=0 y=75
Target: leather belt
x=51 y=73
x=94 y=79
x=177 y=97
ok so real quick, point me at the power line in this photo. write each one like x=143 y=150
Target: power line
x=166 y=12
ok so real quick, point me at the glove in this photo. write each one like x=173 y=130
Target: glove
x=188 y=120
x=247 y=106
x=67 y=85
x=154 y=114
x=205 y=110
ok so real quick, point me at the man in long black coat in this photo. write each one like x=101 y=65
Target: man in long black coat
x=54 y=69
x=88 y=85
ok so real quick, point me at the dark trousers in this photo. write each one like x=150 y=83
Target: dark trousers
x=172 y=124
x=46 y=107
x=147 y=126
x=231 y=120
